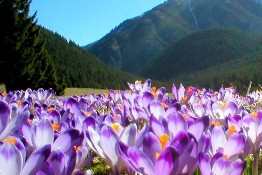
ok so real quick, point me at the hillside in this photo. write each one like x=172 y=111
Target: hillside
x=81 y=69
x=133 y=44
x=201 y=50
x=236 y=73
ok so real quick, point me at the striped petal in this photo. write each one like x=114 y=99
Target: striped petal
x=168 y=161
x=44 y=133
x=5 y=115
x=15 y=124
x=68 y=139
x=109 y=141
x=36 y=160
x=10 y=159
x=140 y=161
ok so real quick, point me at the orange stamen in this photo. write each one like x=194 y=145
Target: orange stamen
x=189 y=90
x=88 y=113
x=163 y=140
x=55 y=126
x=4 y=94
x=77 y=148
x=50 y=109
x=184 y=99
x=255 y=114
x=164 y=105
x=225 y=155
x=232 y=129
x=185 y=116
x=18 y=102
x=216 y=123
x=116 y=116
x=30 y=121
x=10 y=140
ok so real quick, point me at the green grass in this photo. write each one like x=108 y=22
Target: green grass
x=74 y=91
x=82 y=91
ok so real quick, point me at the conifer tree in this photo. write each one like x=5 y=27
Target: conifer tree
x=24 y=61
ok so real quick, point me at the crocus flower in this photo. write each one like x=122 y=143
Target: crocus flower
x=10 y=120
x=11 y=160
x=220 y=165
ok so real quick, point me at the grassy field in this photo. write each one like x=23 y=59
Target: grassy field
x=74 y=91
x=82 y=91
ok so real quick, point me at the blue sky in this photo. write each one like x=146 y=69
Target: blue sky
x=85 y=21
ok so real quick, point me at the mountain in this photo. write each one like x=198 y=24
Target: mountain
x=133 y=44
x=79 y=68
x=201 y=50
x=238 y=73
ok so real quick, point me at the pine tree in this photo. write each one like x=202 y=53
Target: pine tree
x=24 y=61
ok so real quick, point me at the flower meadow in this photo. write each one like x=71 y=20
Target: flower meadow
x=142 y=130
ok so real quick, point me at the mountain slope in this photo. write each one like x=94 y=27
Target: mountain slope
x=132 y=45
x=79 y=68
x=237 y=73
x=201 y=50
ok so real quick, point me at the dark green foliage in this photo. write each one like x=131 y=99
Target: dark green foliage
x=237 y=73
x=133 y=44
x=81 y=69
x=23 y=59
x=202 y=50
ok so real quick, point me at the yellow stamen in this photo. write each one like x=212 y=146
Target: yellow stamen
x=50 y=109
x=216 y=123
x=223 y=105
x=139 y=81
x=115 y=126
x=163 y=140
x=55 y=126
x=200 y=102
x=232 y=129
x=10 y=140
x=164 y=105
x=157 y=155
x=255 y=114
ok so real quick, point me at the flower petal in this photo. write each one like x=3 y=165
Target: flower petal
x=221 y=166
x=5 y=115
x=15 y=124
x=44 y=133
x=204 y=164
x=10 y=159
x=168 y=161
x=36 y=160
x=109 y=144
x=68 y=139
x=141 y=162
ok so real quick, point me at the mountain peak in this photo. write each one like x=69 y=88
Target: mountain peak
x=135 y=42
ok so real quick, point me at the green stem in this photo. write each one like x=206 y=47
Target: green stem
x=255 y=163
